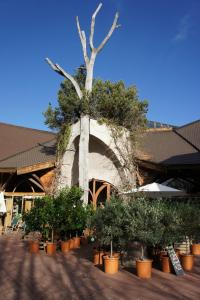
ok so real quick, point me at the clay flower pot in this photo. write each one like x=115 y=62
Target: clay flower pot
x=187 y=261
x=195 y=249
x=77 y=242
x=166 y=264
x=71 y=244
x=34 y=247
x=144 y=268
x=64 y=246
x=51 y=248
x=98 y=257
x=111 y=264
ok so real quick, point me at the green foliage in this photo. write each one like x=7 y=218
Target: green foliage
x=69 y=105
x=144 y=219
x=189 y=213
x=109 y=102
x=35 y=218
x=63 y=139
x=108 y=223
x=73 y=214
x=63 y=213
x=170 y=223
x=117 y=104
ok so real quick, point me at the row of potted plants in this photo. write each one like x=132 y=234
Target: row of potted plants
x=57 y=220
x=155 y=223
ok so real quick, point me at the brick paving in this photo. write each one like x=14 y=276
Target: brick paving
x=25 y=276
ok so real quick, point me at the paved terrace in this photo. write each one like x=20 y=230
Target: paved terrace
x=25 y=276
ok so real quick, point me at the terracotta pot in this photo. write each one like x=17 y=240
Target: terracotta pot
x=178 y=253
x=111 y=264
x=162 y=253
x=98 y=257
x=65 y=246
x=51 y=248
x=71 y=244
x=195 y=249
x=34 y=247
x=166 y=264
x=187 y=261
x=144 y=268
x=77 y=242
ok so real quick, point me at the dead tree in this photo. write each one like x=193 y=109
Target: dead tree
x=84 y=119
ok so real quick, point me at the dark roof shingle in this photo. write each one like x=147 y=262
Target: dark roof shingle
x=15 y=139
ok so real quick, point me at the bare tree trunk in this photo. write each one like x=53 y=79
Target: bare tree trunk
x=84 y=156
x=84 y=120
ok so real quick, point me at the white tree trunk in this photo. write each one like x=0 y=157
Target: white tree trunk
x=84 y=156
x=84 y=120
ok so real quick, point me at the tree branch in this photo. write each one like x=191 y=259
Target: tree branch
x=93 y=25
x=63 y=73
x=113 y=27
x=83 y=41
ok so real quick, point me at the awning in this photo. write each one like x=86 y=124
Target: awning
x=156 y=190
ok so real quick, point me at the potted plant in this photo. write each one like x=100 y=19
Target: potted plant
x=35 y=222
x=108 y=228
x=195 y=247
x=78 y=215
x=188 y=227
x=52 y=218
x=143 y=218
x=170 y=224
x=72 y=216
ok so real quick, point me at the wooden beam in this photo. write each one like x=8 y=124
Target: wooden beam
x=36 y=183
x=36 y=167
x=8 y=170
x=20 y=194
x=151 y=166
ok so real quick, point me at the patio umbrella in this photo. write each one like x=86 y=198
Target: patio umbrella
x=2 y=203
x=157 y=190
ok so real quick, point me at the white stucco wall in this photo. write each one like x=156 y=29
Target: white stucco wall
x=103 y=156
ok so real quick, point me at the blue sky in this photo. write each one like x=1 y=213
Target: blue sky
x=157 y=48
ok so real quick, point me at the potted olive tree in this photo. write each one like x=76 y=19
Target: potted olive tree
x=108 y=226
x=195 y=247
x=143 y=218
x=170 y=224
x=189 y=225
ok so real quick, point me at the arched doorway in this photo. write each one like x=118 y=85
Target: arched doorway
x=100 y=191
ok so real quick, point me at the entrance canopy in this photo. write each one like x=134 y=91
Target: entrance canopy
x=157 y=190
x=2 y=203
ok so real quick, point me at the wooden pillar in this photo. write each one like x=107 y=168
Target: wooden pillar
x=108 y=192
x=9 y=207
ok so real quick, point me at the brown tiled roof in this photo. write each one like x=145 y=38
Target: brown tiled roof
x=42 y=153
x=15 y=139
x=191 y=133
x=169 y=148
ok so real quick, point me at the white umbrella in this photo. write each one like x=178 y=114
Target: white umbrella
x=2 y=203
x=155 y=190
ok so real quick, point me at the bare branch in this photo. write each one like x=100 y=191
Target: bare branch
x=63 y=73
x=113 y=27
x=52 y=65
x=93 y=25
x=83 y=41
